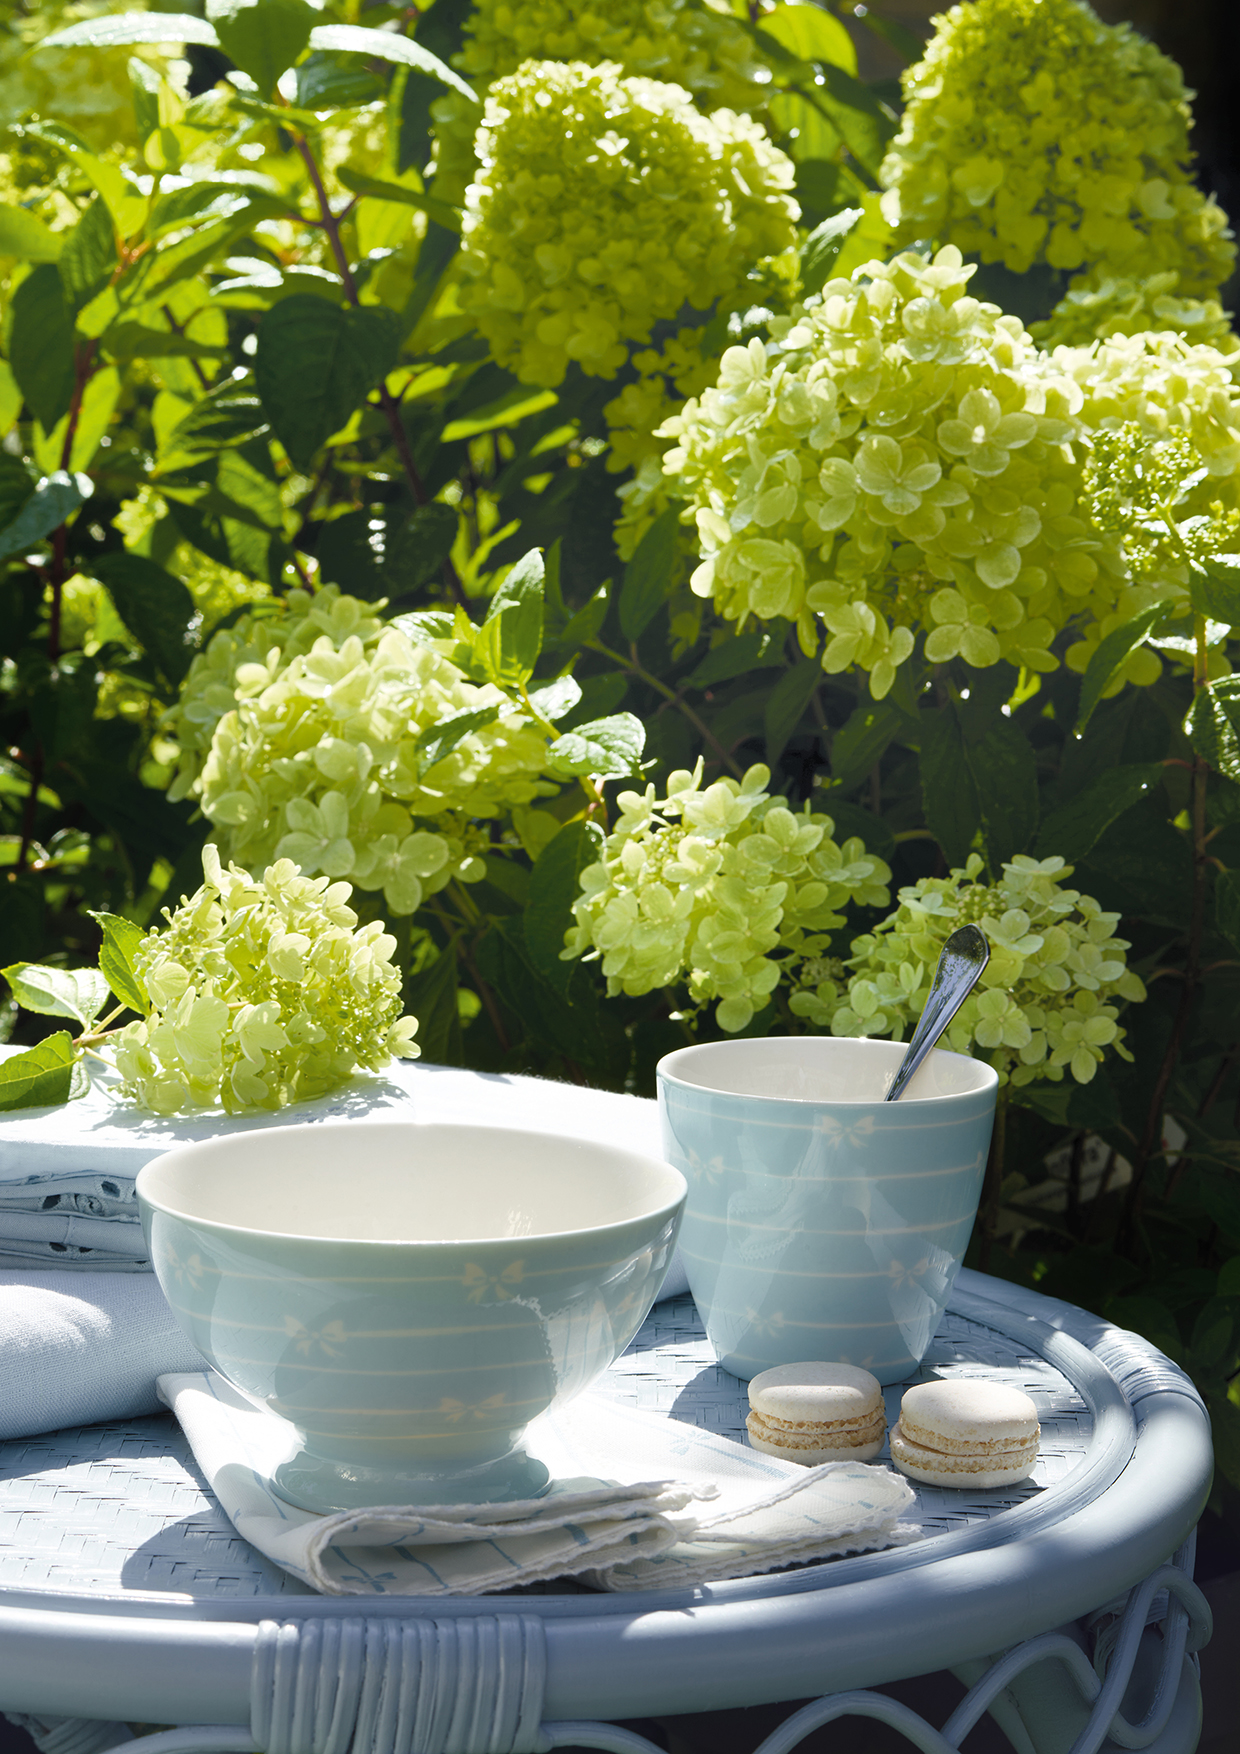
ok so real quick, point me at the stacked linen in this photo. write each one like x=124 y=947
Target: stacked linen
x=67 y=1173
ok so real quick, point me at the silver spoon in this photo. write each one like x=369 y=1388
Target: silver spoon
x=964 y=956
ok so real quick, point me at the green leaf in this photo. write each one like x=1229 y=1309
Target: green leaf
x=754 y=650
x=822 y=246
x=121 y=938
x=648 y=576
x=126 y=341
x=1227 y=905
x=862 y=740
x=949 y=793
x=609 y=748
x=118 y=29
x=431 y=997
x=1005 y=775
x=1211 y=725
x=336 y=82
x=263 y=37
x=1111 y=653
x=787 y=703
x=572 y=1022
x=1074 y=829
x=39 y=1078
x=88 y=259
x=600 y=697
x=508 y=643
x=1142 y=866
x=56 y=498
x=109 y=179
x=865 y=127
x=80 y=993
x=555 y=883
x=440 y=211
x=851 y=819
x=557 y=698
x=156 y=608
x=811 y=34
x=26 y=237
x=16 y=487
x=315 y=364
x=41 y=345
x=144 y=85
x=1215 y=588
x=353 y=39
x=1229 y=1278
x=224 y=417
x=440 y=740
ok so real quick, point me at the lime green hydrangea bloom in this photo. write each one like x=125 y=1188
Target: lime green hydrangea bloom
x=701 y=48
x=1032 y=132
x=1048 y=1001
x=1164 y=417
x=604 y=204
x=895 y=458
x=265 y=992
x=310 y=737
x=1102 y=305
x=704 y=884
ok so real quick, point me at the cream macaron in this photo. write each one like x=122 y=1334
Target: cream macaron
x=813 y=1413
x=961 y=1432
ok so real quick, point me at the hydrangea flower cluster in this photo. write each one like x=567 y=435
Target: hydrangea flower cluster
x=704 y=884
x=1046 y=1003
x=264 y=992
x=1102 y=306
x=897 y=457
x=701 y=48
x=603 y=204
x=1163 y=471
x=1032 y=132
x=325 y=747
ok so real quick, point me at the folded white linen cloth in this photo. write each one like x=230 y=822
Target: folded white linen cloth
x=67 y=1173
x=638 y=1502
x=77 y=1350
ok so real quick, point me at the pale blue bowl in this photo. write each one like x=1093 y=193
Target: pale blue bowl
x=408 y=1297
x=822 y=1222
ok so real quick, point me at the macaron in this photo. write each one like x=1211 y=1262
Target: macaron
x=813 y=1413
x=962 y=1432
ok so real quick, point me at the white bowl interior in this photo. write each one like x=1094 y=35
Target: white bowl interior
x=372 y=1181
x=818 y=1068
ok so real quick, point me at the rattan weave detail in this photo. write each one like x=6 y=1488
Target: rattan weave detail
x=119 y=1509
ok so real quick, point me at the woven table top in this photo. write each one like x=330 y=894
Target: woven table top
x=120 y=1510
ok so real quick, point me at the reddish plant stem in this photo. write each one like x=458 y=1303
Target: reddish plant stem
x=387 y=402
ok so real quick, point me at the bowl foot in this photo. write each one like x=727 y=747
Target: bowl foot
x=317 y=1483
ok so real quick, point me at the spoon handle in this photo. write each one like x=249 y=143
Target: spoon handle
x=963 y=958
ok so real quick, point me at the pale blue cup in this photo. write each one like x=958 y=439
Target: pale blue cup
x=408 y=1297
x=822 y=1222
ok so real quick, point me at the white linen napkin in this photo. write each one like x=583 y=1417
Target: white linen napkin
x=78 y=1348
x=638 y=1502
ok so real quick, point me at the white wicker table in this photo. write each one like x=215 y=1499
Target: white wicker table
x=125 y=1594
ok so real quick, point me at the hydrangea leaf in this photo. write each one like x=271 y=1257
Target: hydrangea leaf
x=121 y=938
x=1215 y=588
x=438 y=741
x=648 y=576
x=88 y=259
x=263 y=37
x=55 y=498
x=554 y=886
x=440 y=211
x=1211 y=725
x=154 y=605
x=863 y=739
x=25 y=236
x=949 y=791
x=609 y=748
x=823 y=245
x=315 y=363
x=41 y=1077
x=508 y=643
x=1111 y=653
x=786 y=704
x=1075 y=828
x=80 y=993
x=432 y=997
x=41 y=349
x=356 y=40
x=557 y=698
x=118 y=29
